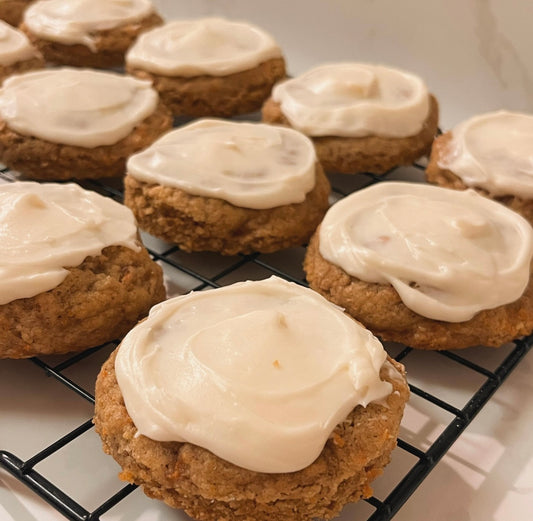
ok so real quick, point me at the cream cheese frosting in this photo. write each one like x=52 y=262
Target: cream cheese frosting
x=45 y=228
x=354 y=100
x=79 y=107
x=14 y=45
x=212 y=46
x=449 y=254
x=250 y=165
x=259 y=373
x=75 y=21
x=493 y=151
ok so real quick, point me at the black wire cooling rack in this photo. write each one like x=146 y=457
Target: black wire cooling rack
x=170 y=257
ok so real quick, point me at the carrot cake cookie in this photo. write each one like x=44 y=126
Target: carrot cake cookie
x=490 y=153
x=361 y=117
x=208 y=67
x=426 y=266
x=228 y=187
x=87 y=33
x=259 y=400
x=76 y=123
x=74 y=274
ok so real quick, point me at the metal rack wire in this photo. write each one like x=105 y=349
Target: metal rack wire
x=383 y=510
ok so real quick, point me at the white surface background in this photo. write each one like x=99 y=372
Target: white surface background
x=476 y=55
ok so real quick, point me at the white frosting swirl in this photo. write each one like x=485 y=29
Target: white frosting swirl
x=211 y=46
x=14 y=45
x=76 y=21
x=250 y=165
x=77 y=107
x=354 y=100
x=493 y=151
x=449 y=254
x=47 y=227
x=259 y=373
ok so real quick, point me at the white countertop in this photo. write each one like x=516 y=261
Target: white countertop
x=476 y=55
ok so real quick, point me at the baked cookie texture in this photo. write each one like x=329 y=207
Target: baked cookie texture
x=223 y=96
x=373 y=154
x=36 y=158
x=379 y=308
x=446 y=178
x=208 y=488
x=100 y=300
x=197 y=223
x=11 y=11
x=110 y=45
x=37 y=62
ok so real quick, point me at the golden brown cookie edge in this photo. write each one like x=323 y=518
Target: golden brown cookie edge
x=110 y=45
x=447 y=179
x=197 y=223
x=208 y=488
x=216 y=96
x=379 y=308
x=99 y=301
x=43 y=160
x=372 y=154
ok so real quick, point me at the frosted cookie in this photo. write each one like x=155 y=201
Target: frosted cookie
x=17 y=54
x=73 y=272
x=87 y=33
x=11 y=11
x=225 y=423
x=208 y=67
x=361 y=117
x=228 y=187
x=490 y=153
x=425 y=266
x=74 y=123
